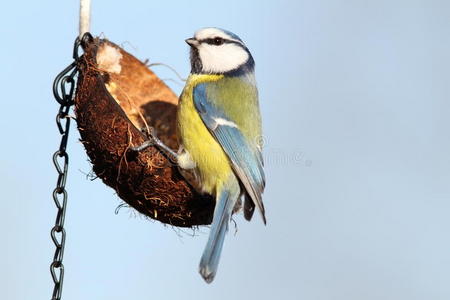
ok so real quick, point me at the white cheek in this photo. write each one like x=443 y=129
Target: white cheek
x=224 y=58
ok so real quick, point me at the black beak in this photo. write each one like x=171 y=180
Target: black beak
x=192 y=42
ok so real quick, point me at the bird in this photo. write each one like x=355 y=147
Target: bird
x=220 y=134
x=219 y=129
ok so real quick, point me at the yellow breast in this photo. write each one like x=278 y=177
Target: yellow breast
x=211 y=161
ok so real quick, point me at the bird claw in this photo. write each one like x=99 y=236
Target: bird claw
x=153 y=140
x=143 y=146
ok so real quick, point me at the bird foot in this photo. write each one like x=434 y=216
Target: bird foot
x=153 y=140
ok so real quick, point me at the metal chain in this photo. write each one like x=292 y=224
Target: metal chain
x=63 y=91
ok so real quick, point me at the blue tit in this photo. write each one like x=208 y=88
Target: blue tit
x=219 y=126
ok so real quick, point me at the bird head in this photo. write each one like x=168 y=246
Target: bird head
x=217 y=51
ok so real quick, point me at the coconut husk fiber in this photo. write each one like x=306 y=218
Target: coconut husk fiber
x=118 y=98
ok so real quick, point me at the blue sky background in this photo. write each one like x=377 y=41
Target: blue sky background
x=355 y=101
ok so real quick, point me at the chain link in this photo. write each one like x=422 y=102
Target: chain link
x=63 y=91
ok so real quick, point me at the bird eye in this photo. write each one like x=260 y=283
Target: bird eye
x=218 y=41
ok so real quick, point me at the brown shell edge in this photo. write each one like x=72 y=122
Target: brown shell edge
x=147 y=180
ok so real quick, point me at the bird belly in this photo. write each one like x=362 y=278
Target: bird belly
x=211 y=162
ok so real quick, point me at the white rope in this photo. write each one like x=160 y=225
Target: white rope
x=85 y=16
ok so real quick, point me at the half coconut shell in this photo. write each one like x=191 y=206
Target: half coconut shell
x=118 y=99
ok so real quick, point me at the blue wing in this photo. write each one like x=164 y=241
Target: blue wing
x=246 y=159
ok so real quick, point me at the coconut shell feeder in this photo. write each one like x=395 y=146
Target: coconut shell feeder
x=118 y=98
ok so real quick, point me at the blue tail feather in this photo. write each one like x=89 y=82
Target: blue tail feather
x=225 y=201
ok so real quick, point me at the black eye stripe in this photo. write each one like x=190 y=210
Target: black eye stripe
x=213 y=41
